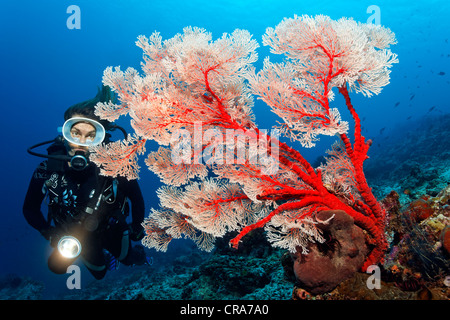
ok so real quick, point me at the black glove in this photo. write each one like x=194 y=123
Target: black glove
x=49 y=234
x=136 y=232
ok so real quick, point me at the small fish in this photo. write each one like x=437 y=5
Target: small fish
x=431 y=109
x=412 y=97
x=408 y=118
x=382 y=129
x=397 y=104
x=442 y=73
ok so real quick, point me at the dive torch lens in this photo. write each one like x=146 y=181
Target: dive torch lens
x=69 y=247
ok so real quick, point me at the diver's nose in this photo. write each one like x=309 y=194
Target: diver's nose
x=82 y=139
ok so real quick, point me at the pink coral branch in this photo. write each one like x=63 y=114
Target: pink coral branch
x=261 y=223
x=191 y=79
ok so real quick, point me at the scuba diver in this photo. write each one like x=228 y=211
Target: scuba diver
x=87 y=212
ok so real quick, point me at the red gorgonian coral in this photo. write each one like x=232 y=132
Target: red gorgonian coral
x=223 y=173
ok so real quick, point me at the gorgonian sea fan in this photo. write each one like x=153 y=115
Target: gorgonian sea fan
x=195 y=99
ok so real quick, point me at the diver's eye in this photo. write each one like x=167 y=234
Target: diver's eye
x=74 y=133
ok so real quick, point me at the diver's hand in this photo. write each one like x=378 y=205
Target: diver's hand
x=49 y=233
x=136 y=232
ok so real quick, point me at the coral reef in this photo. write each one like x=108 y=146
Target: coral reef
x=445 y=235
x=221 y=275
x=417 y=264
x=416 y=261
x=415 y=267
x=13 y=287
x=192 y=84
x=195 y=100
x=413 y=163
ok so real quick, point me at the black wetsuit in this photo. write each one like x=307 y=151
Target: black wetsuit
x=74 y=207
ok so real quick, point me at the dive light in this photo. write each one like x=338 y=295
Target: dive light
x=69 y=247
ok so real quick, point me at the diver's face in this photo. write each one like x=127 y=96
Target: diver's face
x=82 y=132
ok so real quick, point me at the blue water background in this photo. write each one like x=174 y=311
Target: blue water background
x=46 y=68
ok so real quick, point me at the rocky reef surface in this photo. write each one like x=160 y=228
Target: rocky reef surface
x=14 y=287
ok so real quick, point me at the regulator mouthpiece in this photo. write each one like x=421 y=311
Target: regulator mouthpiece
x=79 y=161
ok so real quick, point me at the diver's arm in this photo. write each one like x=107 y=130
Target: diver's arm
x=133 y=193
x=33 y=200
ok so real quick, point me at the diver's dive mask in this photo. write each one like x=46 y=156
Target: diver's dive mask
x=72 y=136
x=79 y=160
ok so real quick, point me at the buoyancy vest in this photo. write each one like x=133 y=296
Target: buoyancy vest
x=82 y=197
